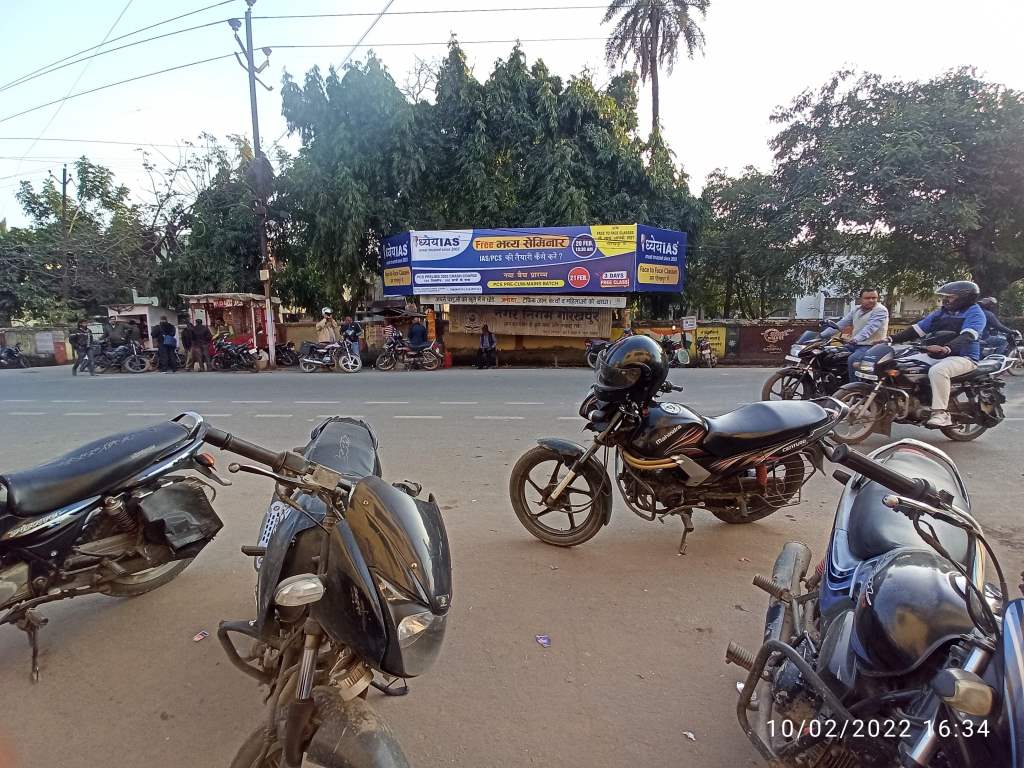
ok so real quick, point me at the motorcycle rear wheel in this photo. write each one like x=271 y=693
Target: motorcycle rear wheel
x=861 y=422
x=23 y=362
x=431 y=362
x=220 y=363
x=527 y=495
x=135 y=364
x=385 y=362
x=307 y=367
x=102 y=363
x=780 y=491
x=140 y=583
x=592 y=359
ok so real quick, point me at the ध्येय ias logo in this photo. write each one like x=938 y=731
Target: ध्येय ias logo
x=443 y=244
x=583 y=247
x=651 y=244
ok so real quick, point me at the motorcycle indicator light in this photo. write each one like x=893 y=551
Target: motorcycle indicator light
x=297 y=590
x=206 y=460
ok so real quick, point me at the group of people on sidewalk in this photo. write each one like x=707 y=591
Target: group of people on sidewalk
x=195 y=339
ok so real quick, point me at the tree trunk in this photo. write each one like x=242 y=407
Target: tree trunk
x=727 y=299
x=655 y=106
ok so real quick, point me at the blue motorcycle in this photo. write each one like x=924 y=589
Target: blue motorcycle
x=895 y=650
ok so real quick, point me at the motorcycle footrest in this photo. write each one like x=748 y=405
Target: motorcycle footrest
x=775 y=589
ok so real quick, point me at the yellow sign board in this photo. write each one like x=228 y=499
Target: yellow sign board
x=657 y=274
x=398 y=276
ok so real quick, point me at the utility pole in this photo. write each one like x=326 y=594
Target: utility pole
x=260 y=165
x=64 y=201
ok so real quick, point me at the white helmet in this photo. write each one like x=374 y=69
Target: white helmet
x=326 y=311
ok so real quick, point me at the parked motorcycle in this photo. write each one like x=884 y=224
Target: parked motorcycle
x=113 y=516
x=128 y=357
x=894 y=651
x=398 y=350
x=669 y=460
x=285 y=354
x=676 y=354
x=11 y=357
x=818 y=368
x=1014 y=354
x=596 y=346
x=706 y=357
x=354 y=578
x=892 y=386
x=153 y=361
x=341 y=355
x=232 y=357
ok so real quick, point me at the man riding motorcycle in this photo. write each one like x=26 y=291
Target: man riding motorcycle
x=959 y=313
x=868 y=323
x=996 y=333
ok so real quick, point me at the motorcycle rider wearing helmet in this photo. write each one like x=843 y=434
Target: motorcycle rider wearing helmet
x=633 y=368
x=960 y=313
x=327 y=328
x=868 y=324
x=995 y=332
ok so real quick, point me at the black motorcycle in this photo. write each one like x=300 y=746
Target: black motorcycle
x=398 y=349
x=114 y=517
x=595 y=347
x=706 y=357
x=354 y=578
x=285 y=354
x=128 y=357
x=12 y=357
x=232 y=357
x=669 y=460
x=895 y=650
x=892 y=386
x=818 y=368
x=672 y=349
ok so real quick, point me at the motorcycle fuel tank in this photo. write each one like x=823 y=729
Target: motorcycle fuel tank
x=667 y=429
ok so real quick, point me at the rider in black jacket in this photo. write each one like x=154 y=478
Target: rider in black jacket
x=995 y=332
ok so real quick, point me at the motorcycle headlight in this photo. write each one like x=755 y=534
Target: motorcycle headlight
x=796 y=349
x=418 y=630
x=297 y=590
x=866 y=365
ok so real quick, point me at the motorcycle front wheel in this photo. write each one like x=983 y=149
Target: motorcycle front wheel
x=135 y=364
x=385 y=362
x=307 y=366
x=592 y=359
x=256 y=752
x=578 y=514
x=23 y=362
x=786 y=385
x=431 y=362
x=220 y=363
x=860 y=421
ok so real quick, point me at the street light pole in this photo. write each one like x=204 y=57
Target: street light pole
x=259 y=161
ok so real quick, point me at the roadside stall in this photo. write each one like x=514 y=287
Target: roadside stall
x=241 y=316
x=541 y=291
x=135 y=321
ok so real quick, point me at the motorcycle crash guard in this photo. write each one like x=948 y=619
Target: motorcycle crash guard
x=882 y=426
x=570 y=452
x=1013 y=680
x=180 y=516
x=351 y=735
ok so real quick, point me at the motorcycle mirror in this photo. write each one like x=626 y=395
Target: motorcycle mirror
x=964 y=691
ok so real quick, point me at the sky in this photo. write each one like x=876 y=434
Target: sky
x=715 y=108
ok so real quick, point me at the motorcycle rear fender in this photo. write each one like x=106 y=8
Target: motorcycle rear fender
x=351 y=735
x=884 y=425
x=570 y=452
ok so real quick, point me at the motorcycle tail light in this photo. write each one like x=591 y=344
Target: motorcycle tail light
x=892 y=372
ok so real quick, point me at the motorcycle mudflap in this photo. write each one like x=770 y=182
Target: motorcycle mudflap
x=1013 y=677
x=180 y=516
x=351 y=735
x=570 y=452
x=882 y=426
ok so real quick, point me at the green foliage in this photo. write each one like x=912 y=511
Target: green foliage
x=649 y=33
x=915 y=182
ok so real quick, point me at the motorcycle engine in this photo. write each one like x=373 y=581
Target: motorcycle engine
x=791 y=695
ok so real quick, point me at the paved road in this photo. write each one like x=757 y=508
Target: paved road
x=637 y=633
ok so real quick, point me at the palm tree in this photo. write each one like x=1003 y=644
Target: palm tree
x=650 y=32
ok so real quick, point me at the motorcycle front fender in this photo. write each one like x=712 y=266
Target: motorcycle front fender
x=883 y=426
x=351 y=735
x=570 y=452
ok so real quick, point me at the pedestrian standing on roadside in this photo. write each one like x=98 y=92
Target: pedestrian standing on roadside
x=187 y=335
x=200 y=352
x=487 y=354
x=327 y=328
x=81 y=340
x=166 y=341
x=418 y=334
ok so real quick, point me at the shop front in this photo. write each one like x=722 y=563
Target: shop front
x=241 y=317
x=543 y=292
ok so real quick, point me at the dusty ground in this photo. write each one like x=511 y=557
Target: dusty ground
x=637 y=632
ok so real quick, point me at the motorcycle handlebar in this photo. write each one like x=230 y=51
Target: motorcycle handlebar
x=913 y=488
x=287 y=460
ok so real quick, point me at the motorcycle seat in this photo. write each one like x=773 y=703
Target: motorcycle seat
x=346 y=446
x=873 y=529
x=985 y=368
x=419 y=347
x=760 y=425
x=89 y=470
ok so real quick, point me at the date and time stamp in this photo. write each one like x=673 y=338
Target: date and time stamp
x=875 y=729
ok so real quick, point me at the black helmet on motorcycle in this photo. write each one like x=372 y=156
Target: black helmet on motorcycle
x=912 y=606
x=989 y=302
x=959 y=294
x=633 y=368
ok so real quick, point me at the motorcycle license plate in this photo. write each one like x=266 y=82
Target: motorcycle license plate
x=793 y=358
x=868 y=376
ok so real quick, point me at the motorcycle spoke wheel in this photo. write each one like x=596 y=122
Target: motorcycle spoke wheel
x=962 y=432
x=385 y=362
x=430 y=361
x=136 y=364
x=578 y=513
x=785 y=387
x=860 y=421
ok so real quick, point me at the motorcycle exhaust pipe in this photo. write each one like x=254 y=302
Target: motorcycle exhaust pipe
x=790 y=567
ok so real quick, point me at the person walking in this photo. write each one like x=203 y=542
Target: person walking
x=868 y=324
x=166 y=340
x=487 y=354
x=327 y=328
x=200 y=350
x=82 y=341
x=187 y=335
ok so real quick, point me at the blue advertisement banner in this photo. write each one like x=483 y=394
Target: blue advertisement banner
x=617 y=258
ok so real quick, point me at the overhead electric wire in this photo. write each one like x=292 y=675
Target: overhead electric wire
x=369 y=29
x=119 y=82
x=446 y=42
x=95 y=141
x=122 y=37
x=436 y=11
x=29 y=78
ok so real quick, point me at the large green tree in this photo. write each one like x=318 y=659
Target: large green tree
x=907 y=184
x=653 y=33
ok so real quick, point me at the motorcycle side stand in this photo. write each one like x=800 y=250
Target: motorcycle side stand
x=30 y=623
x=687 y=529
